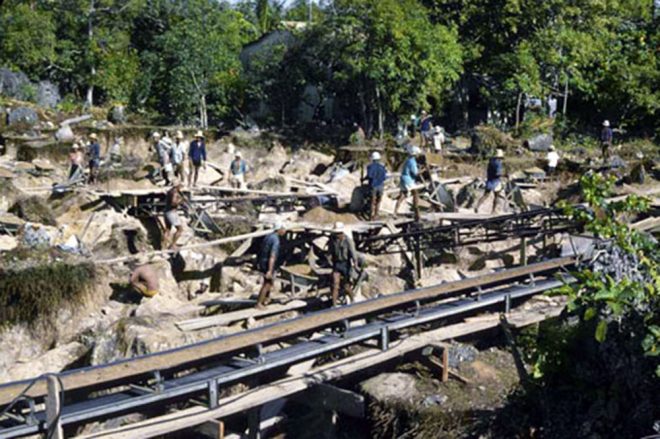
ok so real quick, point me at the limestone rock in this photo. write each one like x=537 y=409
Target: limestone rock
x=392 y=387
x=48 y=95
x=23 y=115
x=7 y=243
x=539 y=143
x=65 y=134
x=117 y=114
x=54 y=360
x=12 y=84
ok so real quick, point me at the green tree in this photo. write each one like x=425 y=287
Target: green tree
x=27 y=38
x=200 y=52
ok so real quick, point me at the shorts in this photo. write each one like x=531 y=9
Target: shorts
x=494 y=186
x=377 y=191
x=145 y=291
x=428 y=135
x=197 y=163
x=94 y=163
x=240 y=179
x=172 y=218
x=405 y=188
x=343 y=268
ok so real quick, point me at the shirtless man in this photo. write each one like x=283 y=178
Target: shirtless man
x=144 y=279
x=172 y=219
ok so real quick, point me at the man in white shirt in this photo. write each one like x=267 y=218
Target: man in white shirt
x=179 y=153
x=438 y=139
x=553 y=160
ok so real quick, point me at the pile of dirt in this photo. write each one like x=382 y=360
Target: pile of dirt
x=320 y=215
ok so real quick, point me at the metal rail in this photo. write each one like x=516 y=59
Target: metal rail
x=539 y=222
x=389 y=318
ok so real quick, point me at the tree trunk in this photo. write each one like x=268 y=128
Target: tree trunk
x=518 y=110
x=565 y=97
x=90 y=37
x=203 y=114
x=381 y=122
x=363 y=110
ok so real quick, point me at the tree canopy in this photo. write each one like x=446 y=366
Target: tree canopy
x=372 y=61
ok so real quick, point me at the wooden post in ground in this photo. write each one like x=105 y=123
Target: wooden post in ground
x=445 y=364
x=254 y=423
x=523 y=251
x=54 y=408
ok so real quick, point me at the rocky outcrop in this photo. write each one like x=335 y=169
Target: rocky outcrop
x=55 y=360
x=48 y=95
x=23 y=116
x=392 y=387
x=13 y=84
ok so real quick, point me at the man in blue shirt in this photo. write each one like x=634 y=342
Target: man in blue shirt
x=94 y=154
x=197 y=156
x=409 y=174
x=606 y=136
x=494 y=175
x=376 y=175
x=268 y=262
x=237 y=171
x=426 y=127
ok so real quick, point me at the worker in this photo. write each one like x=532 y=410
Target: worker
x=174 y=200
x=553 y=160
x=237 y=171
x=438 y=139
x=376 y=176
x=409 y=174
x=144 y=279
x=94 y=156
x=426 y=127
x=494 y=174
x=115 y=150
x=162 y=147
x=358 y=137
x=268 y=263
x=344 y=259
x=606 y=136
x=197 y=156
x=76 y=163
x=178 y=155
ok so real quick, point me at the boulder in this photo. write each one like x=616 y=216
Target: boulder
x=54 y=360
x=392 y=387
x=539 y=143
x=65 y=134
x=117 y=114
x=48 y=95
x=13 y=84
x=23 y=115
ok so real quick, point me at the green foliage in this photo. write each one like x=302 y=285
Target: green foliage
x=600 y=297
x=27 y=38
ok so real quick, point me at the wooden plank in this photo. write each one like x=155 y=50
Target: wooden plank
x=646 y=224
x=288 y=386
x=206 y=350
x=213 y=429
x=231 y=317
x=159 y=253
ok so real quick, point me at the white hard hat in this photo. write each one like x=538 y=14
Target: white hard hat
x=155 y=135
x=606 y=123
x=179 y=135
x=499 y=154
x=279 y=226
x=552 y=147
x=339 y=227
x=415 y=150
x=375 y=155
x=238 y=154
x=438 y=129
x=93 y=136
x=199 y=134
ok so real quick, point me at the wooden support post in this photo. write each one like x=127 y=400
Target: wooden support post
x=418 y=260
x=445 y=364
x=213 y=429
x=54 y=408
x=523 y=251
x=254 y=423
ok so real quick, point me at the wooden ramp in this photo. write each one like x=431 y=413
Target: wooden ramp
x=244 y=314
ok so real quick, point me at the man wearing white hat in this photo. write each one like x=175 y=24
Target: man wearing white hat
x=606 y=137
x=76 y=161
x=344 y=259
x=376 y=176
x=178 y=155
x=409 y=174
x=268 y=263
x=94 y=156
x=438 y=139
x=197 y=156
x=552 y=158
x=237 y=170
x=494 y=185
